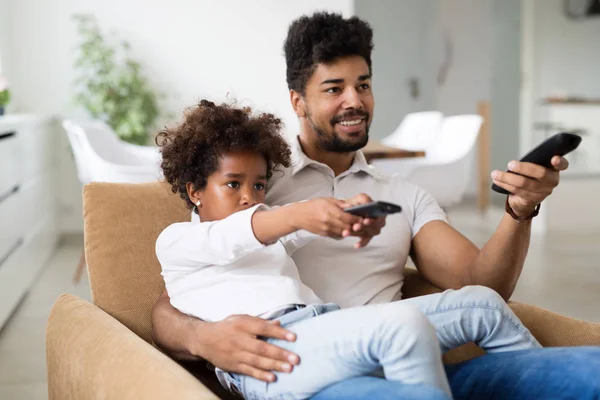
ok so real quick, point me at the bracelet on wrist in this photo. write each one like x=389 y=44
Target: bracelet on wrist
x=514 y=216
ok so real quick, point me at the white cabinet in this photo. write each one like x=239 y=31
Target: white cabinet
x=584 y=118
x=572 y=207
x=28 y=204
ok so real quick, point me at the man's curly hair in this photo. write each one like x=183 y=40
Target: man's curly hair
x=191 y=151
x=321 y=38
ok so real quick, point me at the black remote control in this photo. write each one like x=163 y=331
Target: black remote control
x=557 y=145
x=374 y=209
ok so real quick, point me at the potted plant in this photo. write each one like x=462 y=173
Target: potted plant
x=111 y=85
x=4 y=94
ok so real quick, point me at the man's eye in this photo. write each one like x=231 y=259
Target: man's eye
x=332 y=90
x=233 y=185
x=365 y=86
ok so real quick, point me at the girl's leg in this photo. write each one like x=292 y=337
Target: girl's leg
x=474 y=314
x=354 y=342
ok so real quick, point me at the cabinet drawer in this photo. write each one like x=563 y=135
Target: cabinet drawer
x=18 y=271
x=10 y=162
x=20 y=211
x=39 y=198
x=10 y=228
x=38 y=144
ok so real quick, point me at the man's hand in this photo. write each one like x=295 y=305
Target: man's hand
x=366 y=228
x=233 y=345
x=324 y=217
x=530 y=184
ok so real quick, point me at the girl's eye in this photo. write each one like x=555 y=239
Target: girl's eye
x=233 y=185
x=259 y=186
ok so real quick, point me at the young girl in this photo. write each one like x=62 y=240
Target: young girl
x=237 y=260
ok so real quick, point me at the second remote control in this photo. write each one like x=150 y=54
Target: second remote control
x=557 y=145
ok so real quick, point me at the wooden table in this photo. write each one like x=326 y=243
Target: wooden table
x=375 y=150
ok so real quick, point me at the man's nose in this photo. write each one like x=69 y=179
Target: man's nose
x=352 y=99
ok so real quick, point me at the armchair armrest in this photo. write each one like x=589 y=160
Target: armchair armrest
x=556 y=330
x=90 y=355
x=549 y=328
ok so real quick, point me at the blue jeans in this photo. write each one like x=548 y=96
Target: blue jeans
x=396 y=340
x=551 y=373
x=474 y=314
x=335 y=344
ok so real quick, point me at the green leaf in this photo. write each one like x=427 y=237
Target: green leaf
x=111 y=85
x=4 y=97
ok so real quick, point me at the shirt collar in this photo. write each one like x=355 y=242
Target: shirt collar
x=300 y=160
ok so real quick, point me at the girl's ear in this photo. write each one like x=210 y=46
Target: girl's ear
x=194 y=195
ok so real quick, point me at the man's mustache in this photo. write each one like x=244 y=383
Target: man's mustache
x=350 y=114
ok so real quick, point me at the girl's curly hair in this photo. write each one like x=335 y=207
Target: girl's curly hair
x=191 y=151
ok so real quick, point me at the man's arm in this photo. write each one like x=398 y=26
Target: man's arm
x=449 y=260
x=173 y=331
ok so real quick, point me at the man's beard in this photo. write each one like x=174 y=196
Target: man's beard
x=332 y=142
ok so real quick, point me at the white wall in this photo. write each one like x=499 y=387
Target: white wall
x=567 y=52
x=465 y=27
x=410 y=41
x=402 y=38
x=485 y=38
x=190 y=49
x=506 y=85
x=564 y=60
x=4 y=35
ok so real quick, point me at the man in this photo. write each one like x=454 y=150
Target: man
x=329 y=77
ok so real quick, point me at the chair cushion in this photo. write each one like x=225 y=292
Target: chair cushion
x=121 y=224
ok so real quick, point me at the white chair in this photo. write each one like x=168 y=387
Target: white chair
x=416 y=132
x=444 y=171
x=101 y=156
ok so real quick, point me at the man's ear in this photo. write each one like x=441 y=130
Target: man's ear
x=298 y=103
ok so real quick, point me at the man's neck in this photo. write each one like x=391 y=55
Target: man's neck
x=338 y=162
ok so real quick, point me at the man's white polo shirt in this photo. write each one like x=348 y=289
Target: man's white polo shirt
x=335 y=270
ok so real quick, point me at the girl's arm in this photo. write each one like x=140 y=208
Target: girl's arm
x=321 y=216
x=221 y=242
x=187 y=244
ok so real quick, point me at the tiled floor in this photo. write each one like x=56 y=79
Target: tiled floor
x=22 y=341
x=562 y=273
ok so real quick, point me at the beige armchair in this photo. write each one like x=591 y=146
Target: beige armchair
x=104 y=350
